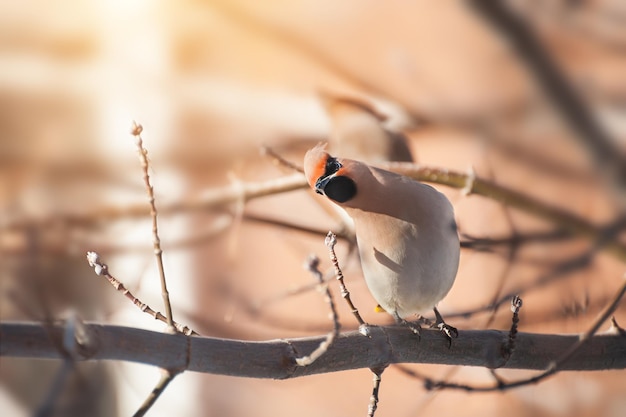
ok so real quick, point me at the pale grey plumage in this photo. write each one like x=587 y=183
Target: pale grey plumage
x=406 y=233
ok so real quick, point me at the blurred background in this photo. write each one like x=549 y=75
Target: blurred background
x=214 y=81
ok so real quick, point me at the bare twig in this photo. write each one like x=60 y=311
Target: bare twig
x=377 y=374
x=56 y=388
x=516 y=305
x=289 y=225
x=559 y=271
x=514 y=239
x=101 y=268
x=606 y=235
x=331 y=241
x=312 y=265
x=553 y=367
x=211 y=199
x=279 y=160
x=615 y=328
x=156 y=241
x=166 y=377
x=75 y=342
x=511 y=255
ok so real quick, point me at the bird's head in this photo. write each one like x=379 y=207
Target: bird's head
x=330 y=176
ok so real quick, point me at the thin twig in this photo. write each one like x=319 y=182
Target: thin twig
x=47 y=408
x=516 y=305
x=615 y=328
x=514 y=239
x=101 y=268
x=331 y=241
x=312 y=265
x=166 y=378
x=553 y=368
x=279 y=160
x=285 y=224
x=75 y=342
x=156 y=241
x=377 y=374
x=511 y=256
x=606 y=236
x=210 y=199
x=559 y=271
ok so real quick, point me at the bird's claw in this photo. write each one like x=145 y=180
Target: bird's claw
x=415 y=328
x=449 y=331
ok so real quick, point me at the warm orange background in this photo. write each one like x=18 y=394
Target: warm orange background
x=211 y=82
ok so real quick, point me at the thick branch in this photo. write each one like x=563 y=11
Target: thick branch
x=276 y=358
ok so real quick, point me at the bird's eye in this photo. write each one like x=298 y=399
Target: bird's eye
x=340 y=189
x=332 y=166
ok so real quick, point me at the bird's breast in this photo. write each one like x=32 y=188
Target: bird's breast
x=408 y=267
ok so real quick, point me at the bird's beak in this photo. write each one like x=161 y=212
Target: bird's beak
x=321 y=183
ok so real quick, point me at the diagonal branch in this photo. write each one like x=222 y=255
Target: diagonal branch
x=571 y=107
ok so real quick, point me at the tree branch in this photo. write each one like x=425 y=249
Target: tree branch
x=561 y=218
x=221 y=196
x=276 y=358
x=566 y=101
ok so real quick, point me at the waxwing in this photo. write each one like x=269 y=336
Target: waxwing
x=358 y=131
x=406 y=233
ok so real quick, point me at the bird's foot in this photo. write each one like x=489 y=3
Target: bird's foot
x=449 y=331
x=414 y=327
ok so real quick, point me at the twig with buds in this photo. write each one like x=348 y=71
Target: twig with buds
x=100 y=268
x=331 y=241
x=156 y=241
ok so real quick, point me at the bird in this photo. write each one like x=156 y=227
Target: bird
x=358 y=131
x=406 y=233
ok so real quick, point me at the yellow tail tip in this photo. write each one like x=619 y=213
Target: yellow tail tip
x=379 y=309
